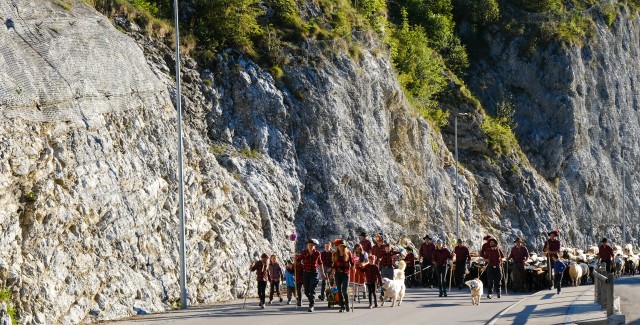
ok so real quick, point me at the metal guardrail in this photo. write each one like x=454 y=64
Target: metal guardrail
x=603 y=292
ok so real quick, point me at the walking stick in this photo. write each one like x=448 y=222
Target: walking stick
x=450 y=276
x=355 y=278
x=506 y=280
x=293 y=238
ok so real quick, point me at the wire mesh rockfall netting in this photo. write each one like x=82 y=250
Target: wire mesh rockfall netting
x=68 y=64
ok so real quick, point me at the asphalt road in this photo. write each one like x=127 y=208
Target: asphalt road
x=628 y=288
x=420 y=306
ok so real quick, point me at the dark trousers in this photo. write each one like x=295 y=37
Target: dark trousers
x=461 y=268
x=518 y=276
x=608 y=265
x=299 y=293
x=409 y=276
x=557 y=281
x=290 y=292
x=427 y=272
x=494 y=275
x=262 y=288
x=342 y=282
x=310 y=281
x=441 y=273
x=371 y=288
x=275 y=286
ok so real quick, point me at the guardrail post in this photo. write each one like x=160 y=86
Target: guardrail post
x=609 y=285
x=596 y=290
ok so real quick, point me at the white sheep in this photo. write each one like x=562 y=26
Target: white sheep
x=575 y=272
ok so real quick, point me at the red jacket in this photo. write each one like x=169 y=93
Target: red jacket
x=552 y=246
x=426 y=250
x=484 y=247
x=261 y=269
x=606 y=252
x=366 y=245
x=462 y=253
x=494 y=255
x=519 y=254
x=440 y=256
x=377 y=251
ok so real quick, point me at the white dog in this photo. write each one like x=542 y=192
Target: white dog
x=393 y=289
x=476 y=290
x=398 y=274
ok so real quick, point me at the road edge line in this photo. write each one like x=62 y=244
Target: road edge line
x=497 y=316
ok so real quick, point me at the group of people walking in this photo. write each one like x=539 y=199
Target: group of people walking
x=367 y=264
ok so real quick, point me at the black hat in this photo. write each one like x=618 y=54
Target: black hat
x=493 y=240
x=555 y=232
x=518 y=240
x=363 y=234
x=487 y=237
x=604 y=240
x=459 y=240
x=426 y=237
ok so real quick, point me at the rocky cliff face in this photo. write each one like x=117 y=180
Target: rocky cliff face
x=88 y=203
x=577 y=114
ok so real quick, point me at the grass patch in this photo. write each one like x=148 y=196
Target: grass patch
x=64 y=5
x=5 y=297
x=500 y=137
x=218 y=149
x=247 y=153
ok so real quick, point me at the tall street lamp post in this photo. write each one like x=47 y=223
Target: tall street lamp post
x=457 y=181
x=183 y=260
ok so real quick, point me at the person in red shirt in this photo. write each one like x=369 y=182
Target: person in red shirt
x=325 y=268
x=605 y=253
x=365 y=243
x=310 y=261
x=486 y=244
x=441 y=257
x=261 y=267
x=462 y=260
x=386 y=264
x=409 y=271
x=494 y=257
x=426 y=252
x=378 y=249
x=551 y=249
x=520 y=255
x=342 y=263
x=372 y=273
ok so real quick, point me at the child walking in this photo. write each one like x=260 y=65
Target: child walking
x=372 y=272
x=275 y=275
x=291 y=281
x=261 y=273
x=558 y=269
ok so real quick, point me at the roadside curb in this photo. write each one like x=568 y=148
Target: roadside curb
x=495 y=318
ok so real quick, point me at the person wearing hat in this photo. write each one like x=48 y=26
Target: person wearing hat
x=462 y=258
x=486 y=244
x=410 y=259
x=365 y=243
x=520 y=254
x=386 y=263
x=325 y=268
x=378 y=249
x=605 y=254
x=494 y=257
x=551 y=249
x=262 y=276
x=310 y=261
x=426 y=254
x=441 y=257
x=342 y=260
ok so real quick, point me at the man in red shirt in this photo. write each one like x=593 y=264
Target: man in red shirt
x=426 y=254
x=486 y=244
x=299 y=280
x=365 y=243
x=410 y=259
x=494 y=258
x=462 y=260
x=310 y=261
x=551 y=249
x=378 y=249
x=605 y=253
x=261 y=272
x=520 y=255
x=325 y=268
x=441 y=256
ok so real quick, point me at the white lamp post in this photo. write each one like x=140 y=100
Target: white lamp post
x=457 y=190
x=183 y=260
